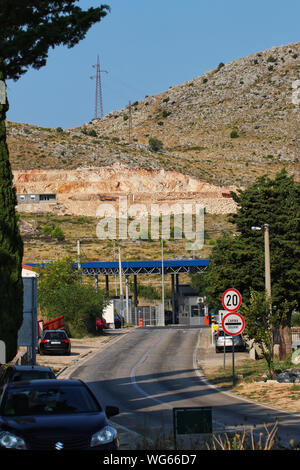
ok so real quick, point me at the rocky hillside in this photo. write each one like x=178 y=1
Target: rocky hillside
x=227 y=127
x=83 y=191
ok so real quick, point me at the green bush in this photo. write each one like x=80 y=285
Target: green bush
x=155 y=145
x=58 y=233
x=54 y=231
x=234 y=134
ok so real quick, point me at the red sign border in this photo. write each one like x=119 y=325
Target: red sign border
x=240 y=300
x=242 y=318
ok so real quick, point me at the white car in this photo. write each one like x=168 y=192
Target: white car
x=224 y=340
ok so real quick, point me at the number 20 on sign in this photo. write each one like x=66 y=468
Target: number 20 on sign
x=231 y=300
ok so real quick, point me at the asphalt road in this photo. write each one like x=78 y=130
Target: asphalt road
x=149 y=371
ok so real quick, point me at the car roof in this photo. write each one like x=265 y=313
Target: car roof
x=45 y=383
x=55 y=331
x=25 y=368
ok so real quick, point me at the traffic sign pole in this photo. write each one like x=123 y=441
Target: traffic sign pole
x=233 y=323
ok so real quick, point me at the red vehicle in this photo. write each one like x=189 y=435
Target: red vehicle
x=100 y=323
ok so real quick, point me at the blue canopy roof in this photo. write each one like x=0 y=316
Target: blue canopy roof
x=142 y=267
x=146 y=267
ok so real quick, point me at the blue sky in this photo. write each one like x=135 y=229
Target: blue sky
x=147 y=46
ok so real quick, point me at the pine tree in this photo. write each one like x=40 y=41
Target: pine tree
x=27 y=30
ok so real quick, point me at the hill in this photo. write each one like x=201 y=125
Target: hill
x=226 y=127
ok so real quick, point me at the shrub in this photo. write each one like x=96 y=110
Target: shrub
x=58 y=233
x=155 y=145
x=54 y=231
x=234 y=134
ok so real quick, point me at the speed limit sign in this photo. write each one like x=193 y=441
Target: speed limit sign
x=231 y=300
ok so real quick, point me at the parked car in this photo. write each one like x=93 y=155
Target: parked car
x=119 y=320
x=55 y=342
x=221 y=338
x=50 y=415
x=100 y=323
x=19 y=373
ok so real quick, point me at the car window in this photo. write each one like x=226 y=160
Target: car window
x=31 y=375
x=55 y=335
x=24 y=401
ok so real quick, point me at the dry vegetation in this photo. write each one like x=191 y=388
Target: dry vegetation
x=229 y=126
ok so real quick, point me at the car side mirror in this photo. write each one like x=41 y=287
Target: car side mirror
x=111 y=411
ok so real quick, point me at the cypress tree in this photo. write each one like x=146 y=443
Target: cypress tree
x=11 y=250
x=27 y=31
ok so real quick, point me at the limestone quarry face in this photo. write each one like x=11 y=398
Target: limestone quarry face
x=82 y=191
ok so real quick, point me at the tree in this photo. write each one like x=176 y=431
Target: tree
x=155 y=145
x=28 y=28
x=238 y=261
x=11 y=251
x=259 y=321
x=62 y=291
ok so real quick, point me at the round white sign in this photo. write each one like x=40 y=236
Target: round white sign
x=231 y=300
x=233 y=324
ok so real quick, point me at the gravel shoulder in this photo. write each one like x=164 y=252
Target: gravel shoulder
x=284 y=396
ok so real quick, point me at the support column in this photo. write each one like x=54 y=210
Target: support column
x=106 y=284
x=135 y=292
x=173 y=299
x=127 y=300
x=177 y=283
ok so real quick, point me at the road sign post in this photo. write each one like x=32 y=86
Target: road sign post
x=233 y=324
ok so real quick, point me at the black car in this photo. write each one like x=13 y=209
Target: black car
x=55 y=342
x=20 y=373
x=55 y=415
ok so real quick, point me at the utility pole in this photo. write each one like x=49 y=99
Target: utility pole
x=129 y=123
x=78 y=254
x=121 y=288
x=98 y=93
x=266 y=228
x=162 y=280
x=116 y=282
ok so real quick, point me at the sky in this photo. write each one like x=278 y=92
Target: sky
x=146 y=46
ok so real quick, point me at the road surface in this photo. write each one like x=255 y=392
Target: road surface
x=149 y=371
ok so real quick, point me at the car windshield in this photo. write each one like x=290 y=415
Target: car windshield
x=55 y=335
x=28 y=400
x=31 y=375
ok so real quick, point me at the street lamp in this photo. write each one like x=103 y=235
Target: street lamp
x=266 y=229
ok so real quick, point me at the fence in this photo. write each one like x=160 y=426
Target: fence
x=54 y=324
x=148 y=315
x=295 y=333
